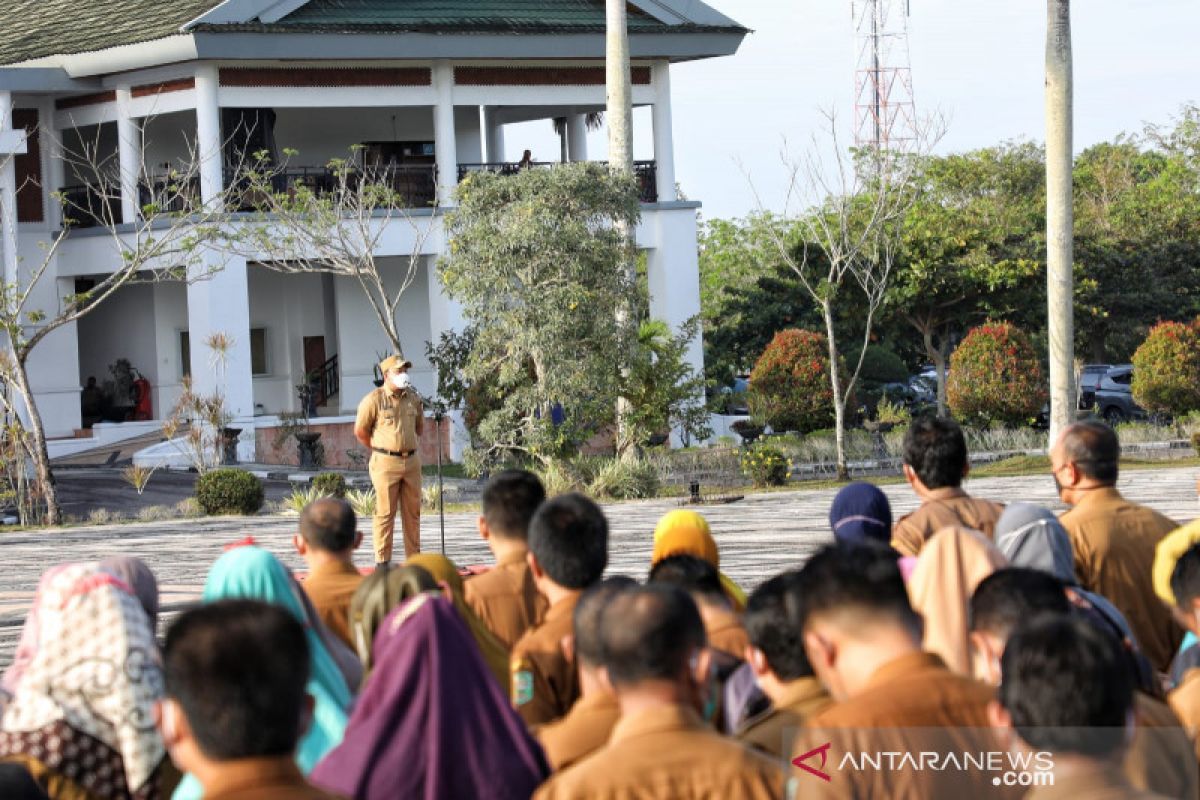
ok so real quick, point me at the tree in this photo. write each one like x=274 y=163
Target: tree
x=1166 y=368
x=790 y=386
x=663 y=389
x=168 y=241
x=535 y=260
x=333 y=227
x=1059 y=219
x=995 y=376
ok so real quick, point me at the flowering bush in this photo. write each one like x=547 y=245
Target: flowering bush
x=1166 y=368
x=995 y=376
x=789 y=386
x=766 y=465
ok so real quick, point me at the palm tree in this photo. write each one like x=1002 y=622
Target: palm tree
x=1059 y=215
x=593 y=121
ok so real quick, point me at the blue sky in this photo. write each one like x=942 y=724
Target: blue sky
x=980 y=63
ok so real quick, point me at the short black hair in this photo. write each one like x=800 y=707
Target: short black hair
x=863 y=578
x=1066 y=686
x=1185 y=578
x=772 y=621
x=509 y=502
x=238 y=668
x=569 y=537
x=1094 y=449
x=936 y=450
x=1009 y=595
x=589 y=647
x=328 y=523
x=690 y=573
x=649 y=633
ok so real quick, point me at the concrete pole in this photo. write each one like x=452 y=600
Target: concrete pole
x=208 y=135
x=1059 y=216
x=577 y=137
x=445 y=144
x=53 y=163
x=618 y=86
x=8 y=189
x=493 y=134
x=664 y=143
x=129 y=154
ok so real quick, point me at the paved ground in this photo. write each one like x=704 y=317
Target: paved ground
x=758 y=537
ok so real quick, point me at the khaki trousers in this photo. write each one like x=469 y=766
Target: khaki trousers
x=397 y=483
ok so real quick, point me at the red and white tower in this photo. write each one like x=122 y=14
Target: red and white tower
x=884 y=113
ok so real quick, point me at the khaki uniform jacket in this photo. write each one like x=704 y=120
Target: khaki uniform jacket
x=394 y=419
x=506 y=599
x=544 y=683
x=264 y=779
x=667 y=753
x=1114 y=543
x=1160 y=759
x=1106 y=783
x=330 y=587
x=803 y=698
x=913 y=704
x=1185 y=702
x=944 y=508
x=584 y=730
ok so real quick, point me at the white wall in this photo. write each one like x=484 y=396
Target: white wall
x=51 y=367
x=170 y=317
x=289 y=307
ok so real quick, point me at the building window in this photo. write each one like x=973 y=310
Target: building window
x=258 y=352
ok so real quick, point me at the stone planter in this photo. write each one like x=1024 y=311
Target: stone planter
x=229 y=442
x=306 y=446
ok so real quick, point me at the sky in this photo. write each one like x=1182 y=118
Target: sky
x=981 y=64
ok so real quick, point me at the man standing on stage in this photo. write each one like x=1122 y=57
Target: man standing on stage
x=389 y=423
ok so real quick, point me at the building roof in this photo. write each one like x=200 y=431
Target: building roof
x=32 y=29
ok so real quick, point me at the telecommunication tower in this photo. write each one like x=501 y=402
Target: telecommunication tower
x=884 y=112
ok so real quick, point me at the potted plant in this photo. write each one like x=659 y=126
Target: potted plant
x=307 y=442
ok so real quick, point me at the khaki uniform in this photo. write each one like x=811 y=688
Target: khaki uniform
x=1160 y=758
x=1104 y=783
x=668 y=753
x=1185 y=702
x=944 y=508
x=506 y=599
x=330 y=587
x=584 y=730
x=802 y=699
x=395 y=421
x=1114 y=542
x=544 y=682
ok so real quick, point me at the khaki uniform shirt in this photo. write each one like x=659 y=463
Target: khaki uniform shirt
x=1160 y=759
x=725 y=632
x=802 y=699
x=942 y=509
x=330 y=587
x=667 y=753
x=264 y=779
x=1114 y=543
x=544 y=683
x=583 y=731
x=1104 y=783
x=1185 y=702
x=394 y=419
x=913 y=704
x=506 y=599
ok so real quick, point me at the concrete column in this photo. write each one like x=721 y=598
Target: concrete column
x=129 y=153
x=577 y=137
x=11 y=143
x=664 y=144
x=445 y=145
x=208 y=134
x=53 y=164
x=493 y=134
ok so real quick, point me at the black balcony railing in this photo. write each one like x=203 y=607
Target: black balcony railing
x=646 y=173
x=415 y=185
x=87 y=205
x=169 y=193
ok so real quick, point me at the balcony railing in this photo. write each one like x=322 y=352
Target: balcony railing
x=415 y=184
x=646 y=173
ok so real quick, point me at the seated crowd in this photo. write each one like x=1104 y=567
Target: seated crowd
x=966 y=629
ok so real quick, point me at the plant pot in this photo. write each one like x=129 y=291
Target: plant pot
x=306 y=446
x=229 y=439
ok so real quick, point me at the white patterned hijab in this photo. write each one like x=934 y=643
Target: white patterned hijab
x=97 y=670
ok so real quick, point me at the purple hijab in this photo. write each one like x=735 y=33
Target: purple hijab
x=134 y=572
x=431 y=721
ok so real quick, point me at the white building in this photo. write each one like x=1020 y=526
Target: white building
x=431 y=85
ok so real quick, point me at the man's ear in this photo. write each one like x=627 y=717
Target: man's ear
x=170 y=721
x=534 y=566
x=910 y=474
x=299 y=543
x=820 y=651
x=567 y=645
x=358 y=537
x=1001 y=722
x=984 y=657
x=966 y=468
x=484 y=533
x=702 y=666
x=757 y=660
x=307 y=706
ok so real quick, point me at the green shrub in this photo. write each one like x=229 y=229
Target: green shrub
x=329 y=484
x=624 y=480
x=300 y=497
x=1166 y=368
x=880 y=365
x=362 y=501
x=229 y=491
x=995 y=376
x=789 y=386
x=765 y=465
x=558 y=477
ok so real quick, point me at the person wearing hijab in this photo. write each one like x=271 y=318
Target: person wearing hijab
x=686 y=532
x=1166 y=555
x=861 y=513
x=430 y=724
x=137 y=576
x=950 y=566
x=81 y=720
x=374 y=599
x=495 y=654
x=251 y=572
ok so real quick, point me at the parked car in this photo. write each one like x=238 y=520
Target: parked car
x=734 y=396
x=1089 y=380
x=1114 y=396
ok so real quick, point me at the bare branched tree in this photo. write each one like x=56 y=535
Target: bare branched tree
x=167 y=241
x=854 y=202
x=331 y=221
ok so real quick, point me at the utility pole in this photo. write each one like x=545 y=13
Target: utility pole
x=884 y=112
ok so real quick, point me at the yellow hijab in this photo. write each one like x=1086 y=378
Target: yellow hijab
x=494 y=652
x=1167 y=554
x=686 y=532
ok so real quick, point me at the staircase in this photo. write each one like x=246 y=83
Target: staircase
x=325 y=383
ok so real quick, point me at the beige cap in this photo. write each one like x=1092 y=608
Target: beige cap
x=392 y=362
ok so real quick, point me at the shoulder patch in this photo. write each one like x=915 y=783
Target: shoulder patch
x=522 y=687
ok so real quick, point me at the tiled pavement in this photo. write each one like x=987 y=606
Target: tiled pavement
x=758 y=537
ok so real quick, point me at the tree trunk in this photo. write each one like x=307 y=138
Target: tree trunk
x=37 y=449
x=839 y=402
x=1059 y=215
